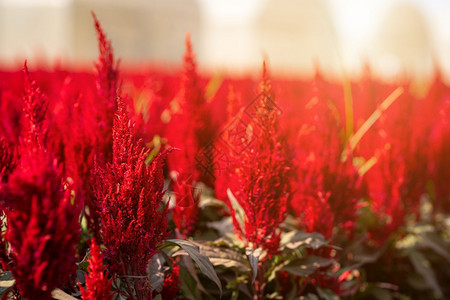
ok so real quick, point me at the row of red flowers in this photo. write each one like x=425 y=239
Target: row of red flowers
x=84 y=156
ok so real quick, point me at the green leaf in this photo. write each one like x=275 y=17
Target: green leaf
x=436 y=243
x=155 y=273
x=61 y=295
x=423 y=266
x=307 y=266
x=294 y=239
x=327 y=294
x=223 y=227
x=239 y=211
x=219 y=256
x=188 y=285
x=6 y=279
x=201 y=260
x=253 y=258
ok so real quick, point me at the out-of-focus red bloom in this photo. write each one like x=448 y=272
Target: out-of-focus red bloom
x=106 y=67
x=318 y=216
x=43 y=226
x=190 y=131
x=11 y=111
x=7 y=159
x=106 y=81
x=129 y=194
x=35 y=109
x=327 y=188
x=261 y=173
x=440 y=157
x=185 y=211
x=98 y=286
x=90 y=113
x=171 y=285
x=385 y=182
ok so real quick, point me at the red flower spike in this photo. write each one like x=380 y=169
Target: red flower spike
x=190 y=131
x=106 y=67
x=43 y=226
x=7 y=160
x=439 y=157
x=171 y=285
x=326 y=187
x=107 y=85
x=98 y=286
x=261 y=175
x=185 y=211
x=129 y=194
x=35 y=109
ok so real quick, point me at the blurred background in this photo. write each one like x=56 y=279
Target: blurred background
x=342 y=37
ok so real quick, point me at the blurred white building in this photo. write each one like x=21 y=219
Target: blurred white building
x=394 y=36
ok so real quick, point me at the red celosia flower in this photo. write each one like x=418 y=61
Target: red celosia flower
x=185 y=211
x=43 y=226
x=171 y=285
x=7 y=159
x=385 y=182
x=260 y=173
x=129 y=194
x=98 y=286
x=106 y=81
x=440 y=157
x=318 y=216
x=190 y=131
x=35 y=109
x=89 y=135
x=106 y=67
x=320 y=171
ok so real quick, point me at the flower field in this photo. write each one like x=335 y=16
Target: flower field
x=171 y=184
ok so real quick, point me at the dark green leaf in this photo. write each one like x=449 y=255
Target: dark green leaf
x=155 y=273
x=61 y=295
x=307 y=266
x=6 y=280
x=201 y=260
x=423 y=266
x=188 y=285
x=6 y=276
x=253 y=258
x=436 y=243
x=295 y=239
x=226 y=257
x=326 y=294
x=157 y=297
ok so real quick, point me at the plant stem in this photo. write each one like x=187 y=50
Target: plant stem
x=130 y=291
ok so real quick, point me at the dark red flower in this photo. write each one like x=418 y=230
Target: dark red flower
x=98 y=286
x=260 y=173
x=129 y=194
x=7 y=159
x=171 y=285
x=43 y=226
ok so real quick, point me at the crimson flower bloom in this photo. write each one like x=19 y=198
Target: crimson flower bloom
x=171 y=285
x=43 y=226
x=129 y=194
x=190 y=131
x=98 y=286
x=327 y=189
x=439 y=157
x=7 y=159
x=90 y=134
x=260 y=173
